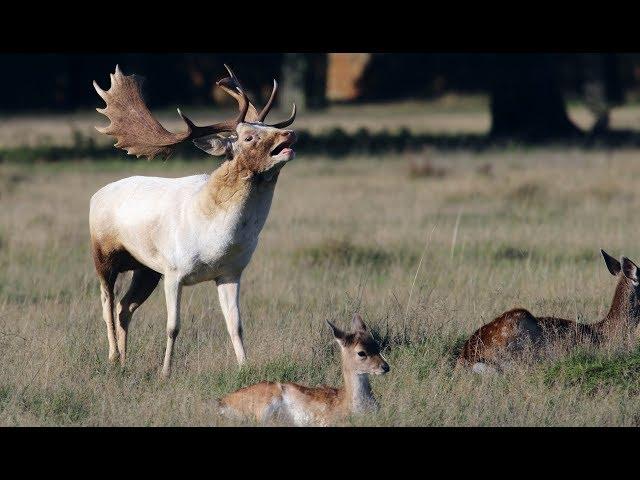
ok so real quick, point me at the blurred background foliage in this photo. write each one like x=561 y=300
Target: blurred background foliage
x=527 y=92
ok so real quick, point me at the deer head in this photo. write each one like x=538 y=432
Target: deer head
x=360 y=352
x=258 y=147
x=627 y=297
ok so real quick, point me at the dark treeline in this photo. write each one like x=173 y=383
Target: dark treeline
x=397 y=75
x=63 y=81
x=527 y=91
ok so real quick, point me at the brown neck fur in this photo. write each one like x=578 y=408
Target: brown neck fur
x=232 y=183
x=624 y=310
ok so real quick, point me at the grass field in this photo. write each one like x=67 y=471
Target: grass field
x=426 y=260
x=341 y=236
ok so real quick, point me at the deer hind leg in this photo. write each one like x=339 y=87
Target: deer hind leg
x=107 y=274
x=106 y=297
x=143 y=283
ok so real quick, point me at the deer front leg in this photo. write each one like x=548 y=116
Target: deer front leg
x=229 y=294
x=172 y=293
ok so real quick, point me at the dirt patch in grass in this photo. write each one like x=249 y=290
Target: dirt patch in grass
x=421 y=166
x=527 y=193
x=344 y=253
x=9 y=182
x=513 y=253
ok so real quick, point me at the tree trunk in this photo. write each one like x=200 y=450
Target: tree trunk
x=304 y=80
x=526 y=102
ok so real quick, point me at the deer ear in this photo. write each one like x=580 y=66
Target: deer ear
x=612 y=264
x=357 y=323
x=213 y=145
x=630 y=270
x=337 y=333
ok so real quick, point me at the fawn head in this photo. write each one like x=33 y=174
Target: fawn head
x=360 y=352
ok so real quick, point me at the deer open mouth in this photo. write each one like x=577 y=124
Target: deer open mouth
x=282 y=148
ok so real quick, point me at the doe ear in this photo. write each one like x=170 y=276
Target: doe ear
x=213 y=145
x=612 y=264
x=630 y=270
x=357 y=323
x=337 y=333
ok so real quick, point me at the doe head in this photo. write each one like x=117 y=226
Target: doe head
x=625 y=266
x=629 y=278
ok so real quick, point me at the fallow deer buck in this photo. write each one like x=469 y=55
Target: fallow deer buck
x=321 y=406
x=190 y=229
x=490 y=347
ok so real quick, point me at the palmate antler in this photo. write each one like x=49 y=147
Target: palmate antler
x=138 y=132
x=232 y=86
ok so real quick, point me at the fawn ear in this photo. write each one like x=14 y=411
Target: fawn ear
x=337 y=333
x=630 y=270
x=612 y=264
x=357 y=323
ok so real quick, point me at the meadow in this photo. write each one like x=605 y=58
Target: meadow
x=427 y=255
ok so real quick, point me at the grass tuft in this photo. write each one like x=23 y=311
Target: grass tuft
x=595 y=371
x=59 y=407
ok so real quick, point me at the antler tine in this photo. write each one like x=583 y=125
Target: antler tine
x=264 y=112
x=243 y=100
x=100 y=91
x=233 y=87
x=244 y=105
x=288 y=121
x=231 y=84
x=195 y=131
x=231 y=74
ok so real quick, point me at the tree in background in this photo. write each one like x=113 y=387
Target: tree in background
x=526 y=100
x=304 y=77
x=602 y=87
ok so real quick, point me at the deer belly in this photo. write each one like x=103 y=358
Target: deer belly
x=296 y=411
x=229 y=261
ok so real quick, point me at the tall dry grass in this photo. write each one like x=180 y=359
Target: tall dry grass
x=426 y=260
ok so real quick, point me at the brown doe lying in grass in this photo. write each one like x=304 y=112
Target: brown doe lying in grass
x=320 y=406
x=490 y=346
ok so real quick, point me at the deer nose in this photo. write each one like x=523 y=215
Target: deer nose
x=385 y=367
x=290 y=135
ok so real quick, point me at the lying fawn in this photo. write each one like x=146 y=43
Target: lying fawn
x=191 y=229
x=489 y=347
x=320 y=406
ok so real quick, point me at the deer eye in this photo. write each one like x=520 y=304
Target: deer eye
x=248 y=139
x=362 y=354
